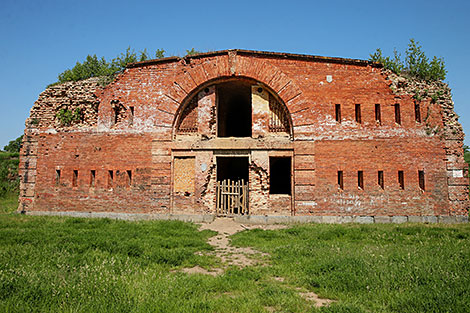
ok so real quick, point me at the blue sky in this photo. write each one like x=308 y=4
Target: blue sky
x=41 y=38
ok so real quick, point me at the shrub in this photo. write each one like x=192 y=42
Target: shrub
x=94 y=67
x=416 y=63
x=66 y=116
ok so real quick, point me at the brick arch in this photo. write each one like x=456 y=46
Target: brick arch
x=193 y=77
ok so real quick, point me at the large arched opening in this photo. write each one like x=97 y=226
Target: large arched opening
x=238 y=107
x=237 y=135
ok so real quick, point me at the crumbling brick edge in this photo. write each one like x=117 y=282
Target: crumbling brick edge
x=261 y=219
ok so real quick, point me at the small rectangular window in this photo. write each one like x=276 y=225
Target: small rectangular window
x=75 y=178
x=421 y=180
x=131 y=115
x=380 y=179
x=340 y=180
x=378 y=114
x=57 y=177
x=360 y=179
x=92 y=178
x=397 y=113
x=115 y=116
x=129 y=178
x=358 y=114
x=401 y=179
x=110 y=178
x=338 y=112
x=417 y=113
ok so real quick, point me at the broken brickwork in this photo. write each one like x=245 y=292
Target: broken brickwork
x=356 y=139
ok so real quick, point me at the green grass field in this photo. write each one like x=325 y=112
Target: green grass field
x=57 y=264
x=9 y=203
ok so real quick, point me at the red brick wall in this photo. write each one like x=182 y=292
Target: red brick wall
x=310 y=89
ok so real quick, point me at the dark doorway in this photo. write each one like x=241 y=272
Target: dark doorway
x=234 y=109
x=233 y=168
x=232 y=186
x=280 y=175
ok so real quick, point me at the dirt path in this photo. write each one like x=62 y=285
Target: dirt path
x=228 y=254
x=241 y=257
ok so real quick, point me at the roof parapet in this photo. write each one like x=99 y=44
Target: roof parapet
x=267 y=54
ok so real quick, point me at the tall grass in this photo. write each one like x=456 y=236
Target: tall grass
x=374 y=268
x=58 y=264
x=9 y=202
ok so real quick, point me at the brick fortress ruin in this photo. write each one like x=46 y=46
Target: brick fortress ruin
x=256 y=135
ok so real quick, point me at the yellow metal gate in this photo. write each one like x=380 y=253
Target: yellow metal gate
x=232 y=197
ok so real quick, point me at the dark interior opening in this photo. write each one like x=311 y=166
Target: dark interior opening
x=233 y=168
x=234 y=109
x=280 y=175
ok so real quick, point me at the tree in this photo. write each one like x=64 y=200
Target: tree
x=416 y=63
x=94 y=67
x=14 y=145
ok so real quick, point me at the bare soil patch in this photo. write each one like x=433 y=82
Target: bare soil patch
x=242 y=257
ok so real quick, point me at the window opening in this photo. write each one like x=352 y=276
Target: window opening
x=110 y=178
x=279 y=121
x=401 y=179
x=378 y=114
x=338 y=113
x=131 y=115
x=188 y=120
x=116 y=115
x=358 y=114
x=129 y=178
x=397 y=113
x=280 y=175
x=92 y=178
x=380 y=179
x=75 y=178
x=417 y=112
x=234 y=109
x=421 y=180
x=57 y=177
x=360 y=179
x=340 y=180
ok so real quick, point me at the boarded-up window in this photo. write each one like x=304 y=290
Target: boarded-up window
x=188 y=120
x=184 y=174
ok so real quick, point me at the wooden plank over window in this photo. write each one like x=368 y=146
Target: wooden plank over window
x=184 y=174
